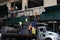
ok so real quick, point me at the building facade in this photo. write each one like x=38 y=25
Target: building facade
x=46 y=3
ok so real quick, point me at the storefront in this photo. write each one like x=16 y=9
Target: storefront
x=52 y=17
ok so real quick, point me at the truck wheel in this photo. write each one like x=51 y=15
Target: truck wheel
x=8 y=38
x=14 y=38
x=48 y=39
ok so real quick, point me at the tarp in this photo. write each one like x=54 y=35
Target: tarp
x=16 y=20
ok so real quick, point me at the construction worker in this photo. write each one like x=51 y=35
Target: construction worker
x=30 y=28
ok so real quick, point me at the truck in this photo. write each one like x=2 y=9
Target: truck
x=44 y=33
x=13 y=31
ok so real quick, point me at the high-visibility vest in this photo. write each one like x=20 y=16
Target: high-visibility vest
x=33 y=31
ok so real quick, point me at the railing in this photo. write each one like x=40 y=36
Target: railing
x=28 y=12
x=19 y=13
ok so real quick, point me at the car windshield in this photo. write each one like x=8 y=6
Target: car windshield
x=49 y=29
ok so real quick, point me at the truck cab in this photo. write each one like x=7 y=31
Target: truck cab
x=45 y=34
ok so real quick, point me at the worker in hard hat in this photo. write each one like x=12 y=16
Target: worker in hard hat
x=30 y=28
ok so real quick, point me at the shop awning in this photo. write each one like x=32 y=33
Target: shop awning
x=52 y=13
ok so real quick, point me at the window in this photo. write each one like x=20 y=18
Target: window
x=31 y=4
x=3 y=10
x=17 y=4
x=41 y=29
x=58 y=1
x=35 y=3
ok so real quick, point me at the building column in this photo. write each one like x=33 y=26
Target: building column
x=9 y=5
x=50 y=3
x=24 y=4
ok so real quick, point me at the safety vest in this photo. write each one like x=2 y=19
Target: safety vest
x=33 y=31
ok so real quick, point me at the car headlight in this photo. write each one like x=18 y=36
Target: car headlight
x=0 y=35
x=54 y=38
